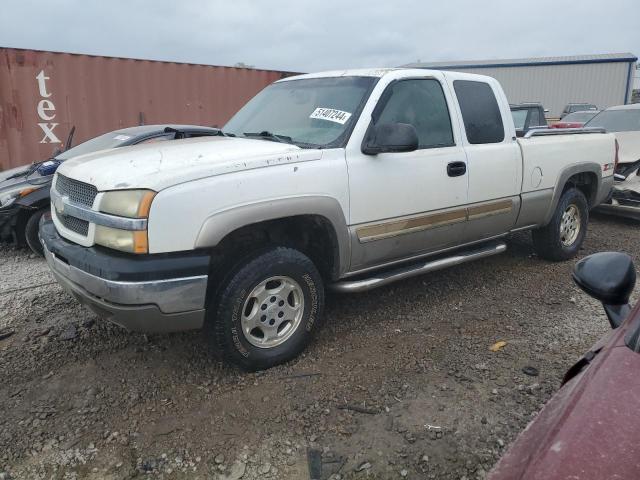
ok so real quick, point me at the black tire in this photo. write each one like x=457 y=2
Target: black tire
x=31 y=231
x=223 y=324
x=549 y=242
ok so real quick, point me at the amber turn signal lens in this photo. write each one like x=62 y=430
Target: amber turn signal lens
x=145 y=204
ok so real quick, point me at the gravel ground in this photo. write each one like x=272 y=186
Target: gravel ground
x=399 y=384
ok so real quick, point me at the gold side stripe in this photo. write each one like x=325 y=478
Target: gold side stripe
x=489 y=209
x=384 y=230
x=426 y=222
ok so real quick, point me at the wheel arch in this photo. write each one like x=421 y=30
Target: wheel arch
x=318 y=214
x=29 y=204
x=586 y=177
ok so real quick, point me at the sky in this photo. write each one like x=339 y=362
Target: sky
x=307 y=36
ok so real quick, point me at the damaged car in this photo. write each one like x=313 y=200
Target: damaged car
x=624 y=122
x=24 y=191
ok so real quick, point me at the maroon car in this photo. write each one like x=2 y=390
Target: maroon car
x=576 y=119
x=590 y=429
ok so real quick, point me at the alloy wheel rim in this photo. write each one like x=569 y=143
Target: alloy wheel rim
x=570 y=226
x=272 y=312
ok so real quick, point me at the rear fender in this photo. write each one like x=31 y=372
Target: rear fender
x=600 y=191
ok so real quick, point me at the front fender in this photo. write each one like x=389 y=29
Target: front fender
x=37 y=199
x=219 y=225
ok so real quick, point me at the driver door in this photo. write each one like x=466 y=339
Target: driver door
x=410 y=203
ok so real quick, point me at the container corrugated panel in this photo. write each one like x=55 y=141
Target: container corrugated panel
x=44 y=94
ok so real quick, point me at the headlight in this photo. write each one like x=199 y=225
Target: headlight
x=127 y=203
x=10 y=196
x=130 y=204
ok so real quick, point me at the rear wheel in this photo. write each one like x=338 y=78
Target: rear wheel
x=562 y=238
x=268 y=309
x=31 y=231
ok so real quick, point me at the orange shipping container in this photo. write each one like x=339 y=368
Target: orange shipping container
x=44 y=94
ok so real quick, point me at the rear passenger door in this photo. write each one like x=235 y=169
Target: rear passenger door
x=494 y=162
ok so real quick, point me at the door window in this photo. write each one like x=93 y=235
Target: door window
x=535 y=118
x=421 y=103
x=480 y=112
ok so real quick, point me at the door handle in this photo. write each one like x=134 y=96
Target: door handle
x=456 y=169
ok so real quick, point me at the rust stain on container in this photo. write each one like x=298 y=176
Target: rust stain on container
x=44 y=94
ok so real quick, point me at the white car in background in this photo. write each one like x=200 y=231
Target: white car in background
x=624 y=122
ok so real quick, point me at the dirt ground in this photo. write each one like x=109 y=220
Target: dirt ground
x=400 y=382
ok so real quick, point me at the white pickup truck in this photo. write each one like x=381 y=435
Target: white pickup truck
x=348 y=180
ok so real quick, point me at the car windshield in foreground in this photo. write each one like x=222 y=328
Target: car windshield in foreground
x=103 y=142
x=313 y=112
x=617 y=120
x=579 y=116
x=519 y=118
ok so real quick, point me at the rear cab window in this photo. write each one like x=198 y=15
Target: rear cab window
x=480 y=112
x=535 y=118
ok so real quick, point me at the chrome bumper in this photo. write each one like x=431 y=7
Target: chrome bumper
x=155 y=306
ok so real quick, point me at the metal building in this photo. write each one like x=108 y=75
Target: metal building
x=44 y=94
x=603 y=80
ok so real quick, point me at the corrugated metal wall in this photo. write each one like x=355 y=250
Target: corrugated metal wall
x=603 y=84
x=43 y=94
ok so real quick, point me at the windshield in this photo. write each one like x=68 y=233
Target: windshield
x=579 y=116
x=103 y=142
x=314 y=112
x=519 y=118
x=581 y=107
x=617 y=120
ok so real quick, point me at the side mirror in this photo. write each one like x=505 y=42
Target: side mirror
x=391 y=138
x=610 y=278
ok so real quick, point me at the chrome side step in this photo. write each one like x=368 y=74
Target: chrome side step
x=385 y=277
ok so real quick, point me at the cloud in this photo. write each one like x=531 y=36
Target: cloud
x=313 y=35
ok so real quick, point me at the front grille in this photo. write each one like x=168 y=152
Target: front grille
x=78 y=192
x=74 y=224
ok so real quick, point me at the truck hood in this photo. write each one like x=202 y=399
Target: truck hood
x=160 y=165
x=629 y=146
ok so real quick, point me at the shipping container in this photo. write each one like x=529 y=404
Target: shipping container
x=44 y=94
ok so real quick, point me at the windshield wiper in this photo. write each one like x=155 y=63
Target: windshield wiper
x=269 y=136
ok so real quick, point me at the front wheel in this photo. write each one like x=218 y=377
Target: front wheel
x=31 y=231
x=268 y=309
x=563 y=236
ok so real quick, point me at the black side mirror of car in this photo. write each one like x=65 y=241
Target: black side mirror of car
x=391 y=138
x=609 y=277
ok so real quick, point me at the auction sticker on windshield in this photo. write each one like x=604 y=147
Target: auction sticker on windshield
x=331 y=114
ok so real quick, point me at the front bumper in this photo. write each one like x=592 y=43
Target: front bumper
x=149 y=293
